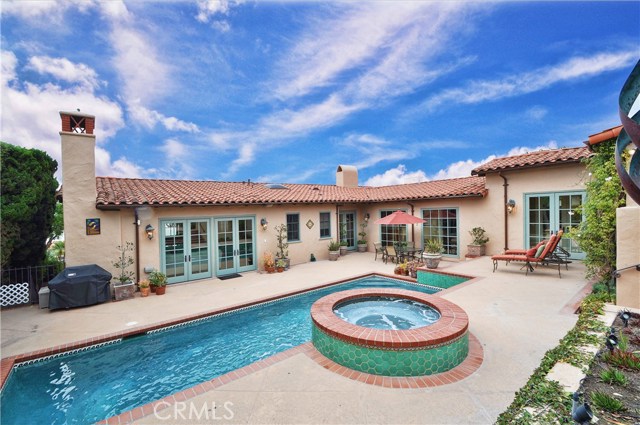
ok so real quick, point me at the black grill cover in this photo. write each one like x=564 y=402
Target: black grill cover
x=79 y=286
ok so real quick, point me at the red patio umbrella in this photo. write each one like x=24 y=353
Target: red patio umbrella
x=400 y=217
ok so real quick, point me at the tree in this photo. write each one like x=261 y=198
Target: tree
x=27 y=204
x=57 y=227
x=596 y=235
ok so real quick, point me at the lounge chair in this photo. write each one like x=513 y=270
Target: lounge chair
x=529 y=258
x=524 y=251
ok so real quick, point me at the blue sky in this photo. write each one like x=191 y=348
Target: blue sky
x=285 y=91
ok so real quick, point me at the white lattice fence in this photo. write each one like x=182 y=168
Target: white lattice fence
x=15 y=294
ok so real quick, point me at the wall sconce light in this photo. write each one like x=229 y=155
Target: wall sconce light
x=511 y=206
x=149 y=229
x=264 y=223
x=367 y=217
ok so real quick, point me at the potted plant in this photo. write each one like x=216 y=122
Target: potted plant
x=334 y=250
x=478 y=244
x=124 y=287
x=281 y=238
x=343 y=239
x=145 y=288
x=267 y=261
x=280 y=265
x=432 y=253
x=158 y=280
x=413 y=267
x=404 y=269
x=362 y=242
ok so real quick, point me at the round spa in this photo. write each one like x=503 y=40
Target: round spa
x=390 y=332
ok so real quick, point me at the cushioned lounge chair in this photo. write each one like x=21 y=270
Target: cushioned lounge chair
x=524 y=251
x=530 y=258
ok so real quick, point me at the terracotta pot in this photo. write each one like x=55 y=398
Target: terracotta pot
x=279 y=269
x=160 y=290
x=153 y=289
x=144 y=292
x=271 y=269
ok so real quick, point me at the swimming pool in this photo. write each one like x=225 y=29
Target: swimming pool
x=93 y=385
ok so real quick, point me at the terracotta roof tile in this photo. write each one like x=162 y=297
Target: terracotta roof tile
x=115 y=192
x=533 y=159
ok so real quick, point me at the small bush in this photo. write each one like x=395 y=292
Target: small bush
x=623 y=360
x=613 y=377
x=605 y=402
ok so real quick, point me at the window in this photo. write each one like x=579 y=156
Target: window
x=293 y=227
x=442 y=224
x=325 y=225
x=392 y=233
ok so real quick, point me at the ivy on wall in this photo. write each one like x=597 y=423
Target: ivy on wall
x=597 y=233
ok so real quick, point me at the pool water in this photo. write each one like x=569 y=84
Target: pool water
x=386 y=313
x=93 y=385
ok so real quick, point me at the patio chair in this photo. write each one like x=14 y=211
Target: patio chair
x=391 y=254
x=530 y=257
x=524 y=251
x=380 y=250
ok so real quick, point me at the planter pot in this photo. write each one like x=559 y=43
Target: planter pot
x=124 y=291
x=287 y=262
x=153 y=289
x=362 y=247
x=413 y=273
x=476 y=250
x=333 y=255
x=343 y=250
x=160 y=290
x=432 y=260
x=271 y=269
x=144 y=292
x=279 y=269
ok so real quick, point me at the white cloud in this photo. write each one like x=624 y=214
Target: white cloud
x=145 y=77
x=40 y=104
x=514 y=85
x=44 y=11
x=390 y=39
x=65 y=70
x=464 y=168
x=397 y=175
x=178 y=159
x=536 y=113
x=374 y=150
x=121 y=167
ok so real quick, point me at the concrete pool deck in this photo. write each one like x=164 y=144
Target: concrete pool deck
x=516 y=319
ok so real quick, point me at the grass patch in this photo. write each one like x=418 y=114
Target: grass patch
x=613 y=377
x=607 y=403
x=623 y=360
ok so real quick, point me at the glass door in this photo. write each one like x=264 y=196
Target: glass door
x=235 y=245
x=173 y=251
x=347 y=223
x=550 y=212
x=185 y=250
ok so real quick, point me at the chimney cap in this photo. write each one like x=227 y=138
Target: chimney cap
x=77 y=114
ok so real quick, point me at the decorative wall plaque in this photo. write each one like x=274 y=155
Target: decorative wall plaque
x=93 y=226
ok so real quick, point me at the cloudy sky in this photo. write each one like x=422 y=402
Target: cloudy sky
x=285 y=91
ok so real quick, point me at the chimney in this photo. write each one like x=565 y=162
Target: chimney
x=347 y=176
x=79 y=182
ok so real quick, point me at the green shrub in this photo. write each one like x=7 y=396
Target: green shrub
x=623 y=359
x=605 y=402
x=613 y=377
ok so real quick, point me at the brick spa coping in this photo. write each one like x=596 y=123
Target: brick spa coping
x=7 y=363
x=452 y=324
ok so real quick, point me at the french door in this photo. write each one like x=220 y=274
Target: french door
x=347 y=223
x=235 y=245
x=550 y=212
x=185 y=249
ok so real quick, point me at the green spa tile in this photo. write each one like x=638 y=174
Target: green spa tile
x=392 y=362
x=443 y=281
